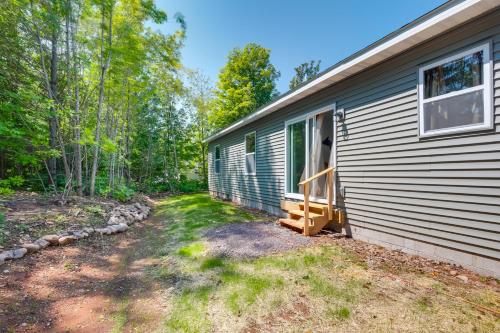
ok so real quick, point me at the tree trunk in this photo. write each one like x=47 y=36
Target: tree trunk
x=127 y=137
x=52 y=165
x=104 y=68
x=76 y=117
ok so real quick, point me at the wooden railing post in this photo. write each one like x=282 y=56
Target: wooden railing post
x=329 y=179
x=306 y=209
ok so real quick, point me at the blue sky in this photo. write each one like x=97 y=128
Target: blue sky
x=295 y=31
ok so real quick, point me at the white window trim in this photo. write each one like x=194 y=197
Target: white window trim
x=215 y=159
x=298 y=196
x=486 y=87
x=254 y=153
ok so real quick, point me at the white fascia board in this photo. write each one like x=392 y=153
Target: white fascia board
x=427 y=29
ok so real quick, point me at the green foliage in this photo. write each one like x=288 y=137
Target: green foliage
x=6 y=191
x=192 y=186
x=247 y=81
x=8 y=185
x=23 y=106
x=304 y=72
x=144 y=131
x=97 y=210
x=341 y=313
x=123 y=193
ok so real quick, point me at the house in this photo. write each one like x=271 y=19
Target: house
x=405 y=137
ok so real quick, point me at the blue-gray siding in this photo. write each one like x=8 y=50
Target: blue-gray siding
x=443 y=191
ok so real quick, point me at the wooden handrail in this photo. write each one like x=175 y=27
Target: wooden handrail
x=319 y=174
x=329 y=179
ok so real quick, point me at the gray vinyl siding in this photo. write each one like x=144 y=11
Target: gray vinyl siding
x=442 y=190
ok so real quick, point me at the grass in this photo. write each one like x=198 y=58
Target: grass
x=320 y=288
x=120 y=317
x=189 y=215
x=192 y=250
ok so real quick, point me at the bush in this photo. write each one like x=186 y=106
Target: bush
x=191 y=186
x=123 y=193
x=7 y=185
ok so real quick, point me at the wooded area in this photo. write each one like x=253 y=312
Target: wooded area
x=95 y=102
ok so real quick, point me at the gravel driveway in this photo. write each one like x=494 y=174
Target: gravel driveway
x=252 y=239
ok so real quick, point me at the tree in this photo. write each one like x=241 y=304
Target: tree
x=24 y=129
x=200 y=97
x=94 y=100
x=104 y=61
x=247 y=81
x=304 y=72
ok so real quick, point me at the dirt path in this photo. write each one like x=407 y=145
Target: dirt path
x=99 y=285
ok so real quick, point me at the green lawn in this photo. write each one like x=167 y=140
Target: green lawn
x=320 y=288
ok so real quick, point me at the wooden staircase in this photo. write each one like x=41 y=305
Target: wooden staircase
x=317 y=220
x=310 y=218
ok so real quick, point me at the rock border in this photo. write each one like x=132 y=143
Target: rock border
x=120 y=219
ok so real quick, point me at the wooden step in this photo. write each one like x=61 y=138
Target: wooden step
x=315 y=207
x=302 y=213
x=293 y=224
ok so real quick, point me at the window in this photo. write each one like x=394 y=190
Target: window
x=250 y=165
x=217 y=159
x=454 y=93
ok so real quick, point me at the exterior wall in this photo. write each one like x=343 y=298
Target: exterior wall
x=438 y=196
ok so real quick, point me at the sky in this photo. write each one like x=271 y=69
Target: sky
x=295 y=31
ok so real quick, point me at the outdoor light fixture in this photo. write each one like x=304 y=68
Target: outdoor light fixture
x=340 y=114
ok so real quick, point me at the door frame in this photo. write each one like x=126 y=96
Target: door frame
x=331 y=107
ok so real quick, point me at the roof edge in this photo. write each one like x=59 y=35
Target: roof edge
x=326 y=78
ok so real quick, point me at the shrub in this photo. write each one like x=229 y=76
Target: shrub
x=191 y=185
x=123 y=193
x=7 y=185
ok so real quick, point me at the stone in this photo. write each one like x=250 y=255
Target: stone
x=42 y=243
x=107 y=231
x=88 y=230
x=123 y=227
x=78 y=234
x=114 y=228
x=115 y=220
x=19 y=253
x=31 y=247
x=453 y=273
x=128 y=217
x=6 y=255
x=65 y=240
x=52 y=239
x=103 y=231
x=2 y=261
x=463 y=278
